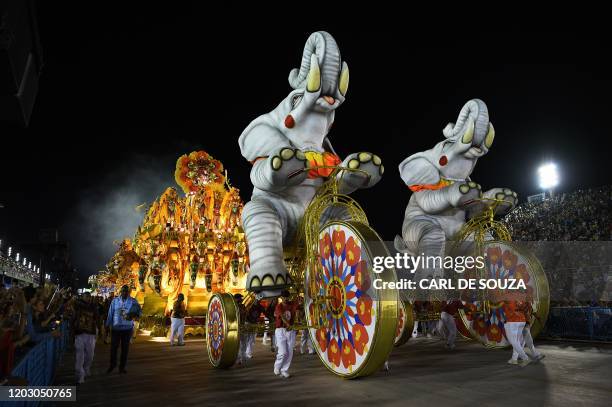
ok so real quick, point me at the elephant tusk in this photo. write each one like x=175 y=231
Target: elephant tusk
x=469 y=133
x=313 y=83
x=490 y=136
x=344 y=79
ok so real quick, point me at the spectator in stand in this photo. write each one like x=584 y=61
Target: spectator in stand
x=12 y=327
x=39 y=321
x=557 y=226
x=583 y=215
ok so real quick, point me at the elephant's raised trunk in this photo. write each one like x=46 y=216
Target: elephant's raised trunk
x=473 y=111
x=325 y=48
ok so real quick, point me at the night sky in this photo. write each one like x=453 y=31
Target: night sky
x=124 y=92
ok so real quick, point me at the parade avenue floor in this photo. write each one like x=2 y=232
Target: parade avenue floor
x=422 y=373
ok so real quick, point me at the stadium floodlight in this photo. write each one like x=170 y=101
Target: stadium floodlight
x=10 y=250
x=17 y=257
x=549 y=176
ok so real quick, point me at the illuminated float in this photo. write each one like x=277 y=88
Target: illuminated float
x=448 y=211
x=191 y=244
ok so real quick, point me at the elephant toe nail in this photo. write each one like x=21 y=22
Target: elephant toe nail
x=267 y=281
x=286 y=154
x=364 y=157
x=276 y=163
x=353 y=164
x=255 y=282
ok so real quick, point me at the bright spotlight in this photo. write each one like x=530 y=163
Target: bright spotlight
x=549 y=177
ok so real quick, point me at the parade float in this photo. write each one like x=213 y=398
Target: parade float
x=190 y=243
x=449 y=214
x=307 y=235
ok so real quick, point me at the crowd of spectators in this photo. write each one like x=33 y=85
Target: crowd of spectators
x=571 y=236
x=582 y=215
x=9 y=265
x=30 y=315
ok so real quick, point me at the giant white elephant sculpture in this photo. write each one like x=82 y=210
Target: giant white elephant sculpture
x=282 y=145
x=442 y=190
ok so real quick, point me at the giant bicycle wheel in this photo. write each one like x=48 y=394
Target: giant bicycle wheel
x=405 y=323
x=485 y=318
x=222 y=330
x=352 y=323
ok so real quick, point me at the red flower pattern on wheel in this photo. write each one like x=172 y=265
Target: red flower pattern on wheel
x=349 y=319
x=501 y=262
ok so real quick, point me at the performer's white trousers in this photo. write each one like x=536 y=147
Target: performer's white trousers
x=514 y=334
x=177 y=328
x=85 y=345
x=448 y=323
x=305 y=342
x=248 y=348
x=285 y=341
x=528 y=341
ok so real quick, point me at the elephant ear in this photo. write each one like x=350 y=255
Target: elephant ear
x=417 y=170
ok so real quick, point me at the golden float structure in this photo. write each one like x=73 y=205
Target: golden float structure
x=191 y=244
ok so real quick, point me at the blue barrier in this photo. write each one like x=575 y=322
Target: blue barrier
x=584 y=323
x=38 y=365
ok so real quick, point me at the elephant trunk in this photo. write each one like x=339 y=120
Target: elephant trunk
x=325 y=48
x=473 y=111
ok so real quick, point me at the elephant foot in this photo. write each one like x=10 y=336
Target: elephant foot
x=506 y=197
x=267 y=280
x=368 y=170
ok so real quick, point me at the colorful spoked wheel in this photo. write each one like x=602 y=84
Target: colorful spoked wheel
x=222 y=325
x=405 y=323
x=352 y=319
x=485 y=319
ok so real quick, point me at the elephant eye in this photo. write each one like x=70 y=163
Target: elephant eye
x=296 y=100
